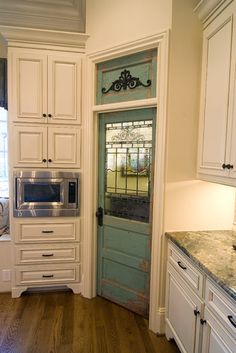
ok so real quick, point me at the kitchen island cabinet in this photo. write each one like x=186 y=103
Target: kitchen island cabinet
x=211 y=259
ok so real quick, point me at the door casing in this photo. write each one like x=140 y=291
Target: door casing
x=90 y=156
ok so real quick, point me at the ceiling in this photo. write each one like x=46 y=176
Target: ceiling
x=64 y=15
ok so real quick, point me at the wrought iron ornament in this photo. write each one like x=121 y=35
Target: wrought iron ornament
x=126 y=80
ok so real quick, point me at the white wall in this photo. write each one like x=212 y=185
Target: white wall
x=189 y=204
x=112 y=22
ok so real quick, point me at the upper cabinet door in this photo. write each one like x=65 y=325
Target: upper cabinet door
x=217 y=119
x=29 y=75
x=64 y=91
x=64 y=147
x=127 y=78
x=30 y=146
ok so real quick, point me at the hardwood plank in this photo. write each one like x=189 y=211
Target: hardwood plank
x=66 y=323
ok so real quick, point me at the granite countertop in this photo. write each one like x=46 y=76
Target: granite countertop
x=213 y=252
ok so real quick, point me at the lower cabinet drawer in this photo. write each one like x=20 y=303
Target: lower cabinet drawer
x=188 y=272
x=47 y=274
x=221 y=306
x=47 y=254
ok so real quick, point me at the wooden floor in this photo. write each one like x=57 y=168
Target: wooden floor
x=65 y=323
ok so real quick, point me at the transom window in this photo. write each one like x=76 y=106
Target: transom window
x=4 y=184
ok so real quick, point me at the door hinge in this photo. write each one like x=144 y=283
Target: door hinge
x=99 y=215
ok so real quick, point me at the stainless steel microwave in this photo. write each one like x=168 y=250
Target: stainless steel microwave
x=46 y=194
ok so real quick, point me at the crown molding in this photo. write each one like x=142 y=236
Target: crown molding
x=206 y=8
x=16 y=36
x=64 y=15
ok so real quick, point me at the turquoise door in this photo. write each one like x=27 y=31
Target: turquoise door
x=124 y=204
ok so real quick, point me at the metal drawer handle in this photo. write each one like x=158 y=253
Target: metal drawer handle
x=47 y=255
x=47 y=231
x=47 y=276
x=232 y=321
x=181 y=266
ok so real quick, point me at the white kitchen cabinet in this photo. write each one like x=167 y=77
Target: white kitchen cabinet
x=201 y=318
x=46 y=86
x=46 y=146
x=46 y=253
x=215 y=338
x=183 y=313
x=183 y=306
x=217 y=155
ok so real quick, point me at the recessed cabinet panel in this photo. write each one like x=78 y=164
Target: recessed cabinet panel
x=217 y=91
x=216 y=159
x=64 y=146
x=29 y=148
x=180 y=314
x=30 y=88
x=64 y=89
x=215 y=337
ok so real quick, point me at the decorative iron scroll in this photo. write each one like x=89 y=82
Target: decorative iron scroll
x=126 y=80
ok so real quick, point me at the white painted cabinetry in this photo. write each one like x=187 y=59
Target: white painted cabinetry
x=46 y=146
x=217 y=138
x=46 y=86
x=46 y=253
x=44 y=132
x=200 y=316
x=184 y=306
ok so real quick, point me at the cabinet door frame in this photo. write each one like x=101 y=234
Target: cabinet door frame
x=52 y=152
x=56 y=117
x=15 y=57
x=193 y=300
x=212 y=327
x=208 y=171
x=17 y=157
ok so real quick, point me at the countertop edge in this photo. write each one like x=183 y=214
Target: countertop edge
x=227 y=289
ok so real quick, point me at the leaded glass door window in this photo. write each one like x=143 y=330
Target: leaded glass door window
x=128 y=169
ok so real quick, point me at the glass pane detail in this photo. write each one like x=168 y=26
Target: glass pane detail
x=128 y=164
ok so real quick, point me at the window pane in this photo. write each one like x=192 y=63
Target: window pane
x=4 y=187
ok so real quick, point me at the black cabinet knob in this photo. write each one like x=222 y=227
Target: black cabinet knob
x=49 y=115
x=44 y=115
x=227 y=166
x=44 y=160
x=50 y=161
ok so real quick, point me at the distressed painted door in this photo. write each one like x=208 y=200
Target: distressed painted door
x=125 y=187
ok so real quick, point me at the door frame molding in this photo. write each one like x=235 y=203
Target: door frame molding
x=90 y=169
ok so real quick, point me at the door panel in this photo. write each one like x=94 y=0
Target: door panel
x=64 y=89
x=30 y=86
x=125 y=179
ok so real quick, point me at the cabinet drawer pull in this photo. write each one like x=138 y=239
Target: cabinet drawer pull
x=47 y=255
x=47 y=276
x=47 y=231
x=231 y=320
x=181 y=266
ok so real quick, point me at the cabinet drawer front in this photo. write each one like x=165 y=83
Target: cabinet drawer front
x=49 y=274
x=190 y=274
x=47 y=232
x=47 y=254
x=221 y=306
